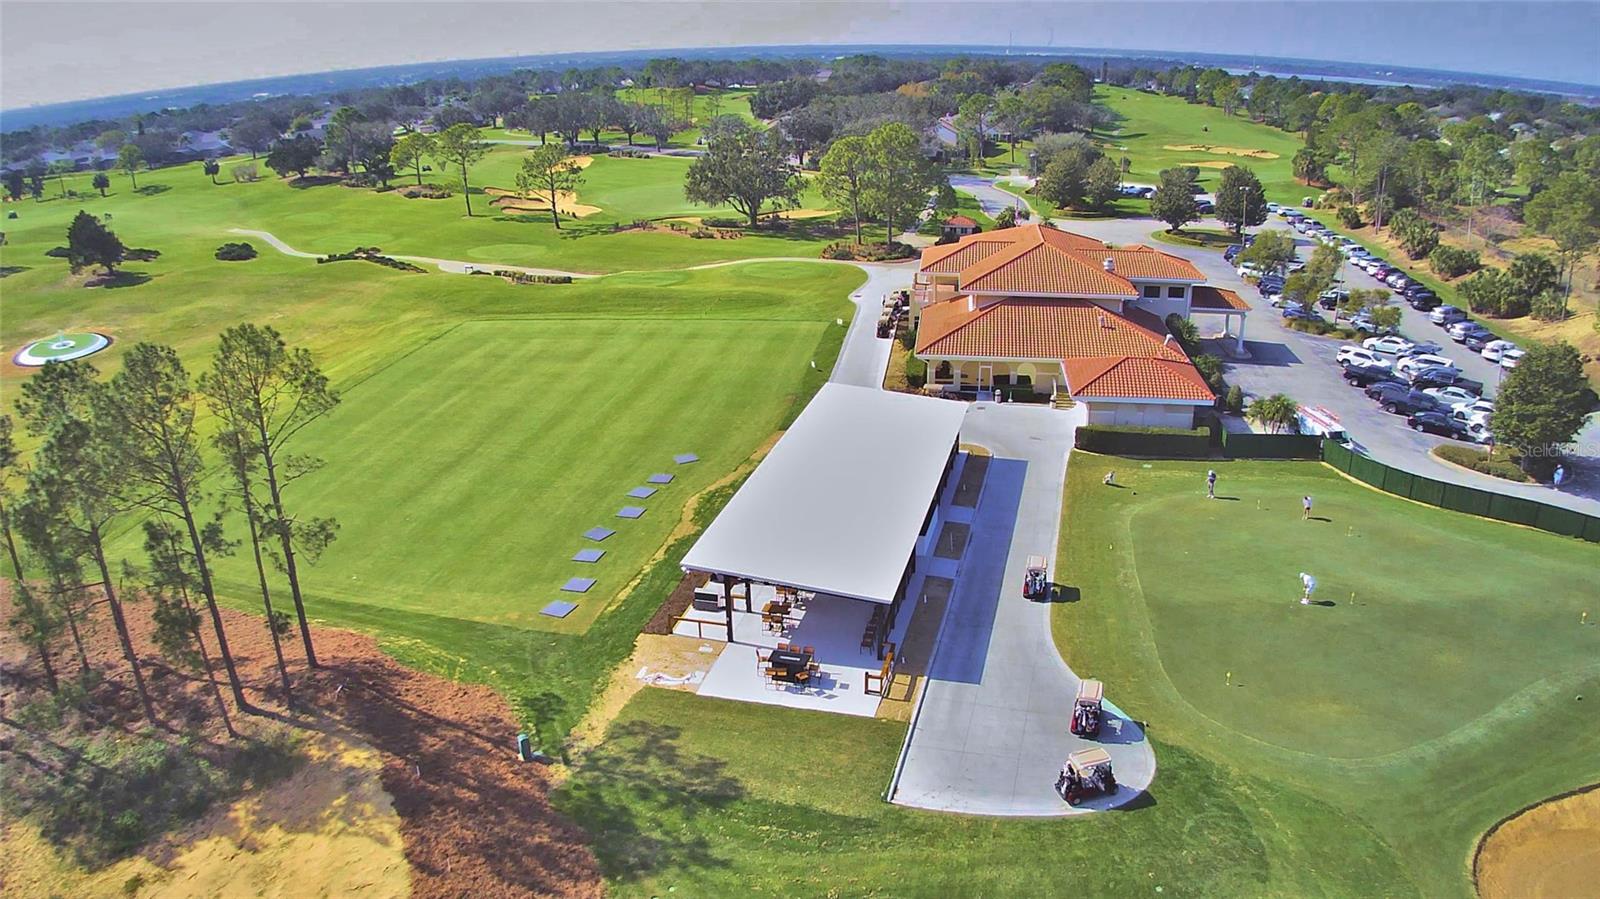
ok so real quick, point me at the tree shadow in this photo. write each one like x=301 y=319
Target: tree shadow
x=151 y=190
x=119 y=279
x=7 y=271
x=307 y=181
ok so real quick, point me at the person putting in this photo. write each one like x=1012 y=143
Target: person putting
x=1309 y=585
x=1211 y=483
x=1305 y=508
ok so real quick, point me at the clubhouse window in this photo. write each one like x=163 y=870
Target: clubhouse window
x=1152 y=292
x=1174 y=293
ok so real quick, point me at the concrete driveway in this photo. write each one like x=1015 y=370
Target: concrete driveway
x=991 y=731
x=865 y=355
x=1303 y=366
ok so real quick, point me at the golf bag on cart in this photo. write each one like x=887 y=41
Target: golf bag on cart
x=1086 y=720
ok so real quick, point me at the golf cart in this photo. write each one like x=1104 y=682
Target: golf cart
x=1086 y=712
x=1086 y=773
x=1036 y=583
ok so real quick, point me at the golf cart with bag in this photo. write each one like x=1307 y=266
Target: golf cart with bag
x=1086 y=773
x=1036 y=583
x=1087 y=712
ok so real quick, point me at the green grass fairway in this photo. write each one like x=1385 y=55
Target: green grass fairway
x=464 y=474
x=1435 y=695
x=1146 y=124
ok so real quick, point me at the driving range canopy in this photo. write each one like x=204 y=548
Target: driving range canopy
x=839 y=504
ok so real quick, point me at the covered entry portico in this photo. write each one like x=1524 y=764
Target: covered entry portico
x=818 y=550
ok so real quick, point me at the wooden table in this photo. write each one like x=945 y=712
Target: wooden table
x=790 y=661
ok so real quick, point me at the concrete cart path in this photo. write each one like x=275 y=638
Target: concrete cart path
x=991 y=731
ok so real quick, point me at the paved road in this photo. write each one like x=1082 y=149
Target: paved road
x=1303 y=366
x=991 y=199
x=865 y=355
x=991 y=731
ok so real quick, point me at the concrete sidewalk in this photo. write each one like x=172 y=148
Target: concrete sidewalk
x=991 y=733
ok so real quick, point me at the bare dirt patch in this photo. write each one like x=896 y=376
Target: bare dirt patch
x=471 y=819
x=1225 y=151
x=1550 y=851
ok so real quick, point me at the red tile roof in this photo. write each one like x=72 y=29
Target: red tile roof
x=1039 y=259
x=1104 y=354
x=961 y=221
x=1204 y=296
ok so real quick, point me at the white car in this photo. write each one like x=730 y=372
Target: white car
x=1478 y=432
x=1451 y=396
x=1426 y=360
x=1511 y=358
x=1390 y=345
x=1355 y=355
x=1250 y=270
x=1357 y=254
x=1494 y=350
x=1475 y=409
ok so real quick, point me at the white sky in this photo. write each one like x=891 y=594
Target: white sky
x=65 y=50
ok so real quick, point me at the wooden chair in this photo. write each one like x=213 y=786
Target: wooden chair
x=810 y=651
x=803 y=676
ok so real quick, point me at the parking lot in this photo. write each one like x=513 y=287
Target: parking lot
x=1303 y=366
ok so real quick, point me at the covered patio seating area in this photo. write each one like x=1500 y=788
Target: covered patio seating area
x=811 y=561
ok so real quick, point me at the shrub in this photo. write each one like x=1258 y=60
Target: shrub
x=235 y=252
x=371 y=254
x=1453 y=262
x=916 y=371
x=141 y=254
x=425 y=192
x=867 y=252
x=1549 y=306
x=1235 y=399
x=245 y=173
x=1465 y=456
x=1128 y=440
x=1350 y=217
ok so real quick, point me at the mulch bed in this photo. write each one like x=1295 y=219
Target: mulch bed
x=676 y=603
x=475 y=821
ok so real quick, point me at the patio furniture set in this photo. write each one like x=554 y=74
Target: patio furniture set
x=791 y=664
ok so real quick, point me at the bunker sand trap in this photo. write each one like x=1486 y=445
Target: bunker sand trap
x=1550 y=851
x=329 y=829
x=566 y=202
x=1209 y=164
x=1225 y=151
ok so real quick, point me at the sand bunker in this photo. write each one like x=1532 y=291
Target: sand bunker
x=566 y=202
x=1225 y=151
x=1551 y=851
x=330 y=829
x=1208 y=164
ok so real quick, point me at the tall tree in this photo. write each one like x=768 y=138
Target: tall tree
x=91 y=243
x=410 y=152
x=130 y=159
x=745 y=168
x=244 y=466
x=845 y=170
x=1541 y=405
x=266 y=392
x=1240 y=200
x=78 y=485
x=171 y=586
x=461 y=145
x=151 y=405
x=32 y=621
x=101 y=182
x=1568 y=212
x=1310 y=166
x=61 y=168
x=297 y=155
x=1173 y=200
x=548 y=170
x=972 y=121
x=900 y=177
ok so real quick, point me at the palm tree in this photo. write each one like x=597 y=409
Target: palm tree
x=1276 y=413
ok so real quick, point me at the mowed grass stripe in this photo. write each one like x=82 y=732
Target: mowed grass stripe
x=464 y=474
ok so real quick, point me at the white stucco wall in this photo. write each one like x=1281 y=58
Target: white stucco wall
x=1150 y=415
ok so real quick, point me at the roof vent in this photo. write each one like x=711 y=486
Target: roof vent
x=1105 y=322
x=1167 y=341
x=1110 y=264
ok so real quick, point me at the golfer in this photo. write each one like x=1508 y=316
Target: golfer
x=1110 y=478
x=1309 y=584
x=1211 y=483
x=1305 y=508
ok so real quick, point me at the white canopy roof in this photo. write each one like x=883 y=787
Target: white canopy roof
x=838 y=504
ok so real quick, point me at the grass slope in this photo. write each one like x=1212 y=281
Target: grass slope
x=1437 y=700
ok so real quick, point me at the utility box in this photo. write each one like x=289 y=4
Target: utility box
x=524 y=748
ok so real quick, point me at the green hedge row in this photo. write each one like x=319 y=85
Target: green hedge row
x=1130 y=440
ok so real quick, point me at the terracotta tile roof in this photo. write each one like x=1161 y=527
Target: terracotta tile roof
x=1137 y=378
x=1043 y=260
x=1204 y=296
x=961 y=221
x=1098 y=349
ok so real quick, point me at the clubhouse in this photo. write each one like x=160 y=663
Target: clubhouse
x=1066 y=315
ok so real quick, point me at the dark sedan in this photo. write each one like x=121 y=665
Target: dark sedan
x=1368 y=375
x=1432 y=422
x=1398 y=399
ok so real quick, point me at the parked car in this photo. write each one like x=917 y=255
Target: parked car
x=1432 y=422
x=1445 y=316
x=1398 y=399
x=1495 y=349
x=1450 y=396
x=1476 y=342
x=1398 y=280
x=1459 y=331
x=1330 y=299
x=1358 y=375
x=1294 y=311
x=1250 y=270
x=1393 y=345
x=1477 y=406
x=1426 y=378
x=1422 y=301
x=1363 y=322
x=1511 y=358
x=1426 y=348
x=1478 y=432
x=1274 y=207
x=1351 y=354
x=1205 y=207
x=1426 y=360
x=1232 y=252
